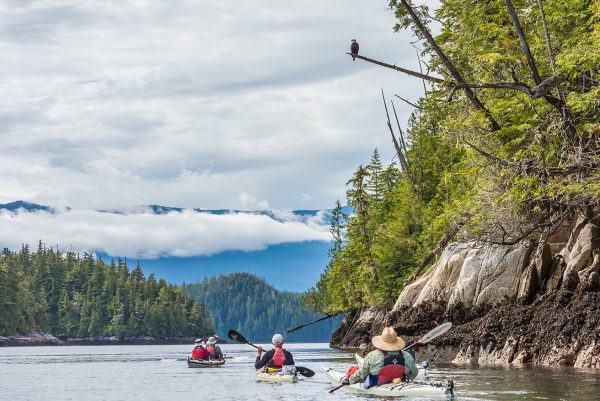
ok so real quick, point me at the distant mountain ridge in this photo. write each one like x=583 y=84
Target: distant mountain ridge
x=248 y=304
x=27 y=206
x=300 y=214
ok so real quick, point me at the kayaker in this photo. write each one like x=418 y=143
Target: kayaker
x=386 y=363
x=275 y=358
x=214 y=351
x=199 y=352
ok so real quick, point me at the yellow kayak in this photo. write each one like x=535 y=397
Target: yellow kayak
x=286 y=375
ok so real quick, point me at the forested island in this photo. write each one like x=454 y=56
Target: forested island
x=250 y=305
x=490 y=217
x=79 y=298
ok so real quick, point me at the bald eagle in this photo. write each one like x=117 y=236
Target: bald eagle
x=354 y=49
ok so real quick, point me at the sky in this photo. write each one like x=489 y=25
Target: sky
x=190 y=103
x=214 y=104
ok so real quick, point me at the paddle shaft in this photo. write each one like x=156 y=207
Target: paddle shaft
x=328 y=316
x=335 y=388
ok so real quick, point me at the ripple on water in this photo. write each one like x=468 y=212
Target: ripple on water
x=160 y=373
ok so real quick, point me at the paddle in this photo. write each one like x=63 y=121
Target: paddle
x=435 y=333
x=238 y=338
x=327 y=316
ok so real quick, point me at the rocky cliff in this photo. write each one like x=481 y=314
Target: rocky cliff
x=521 y=303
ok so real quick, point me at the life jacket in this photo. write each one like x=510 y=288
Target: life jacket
x=211 y=351
x=393 y=368
x=278 y=357
x=199 y=353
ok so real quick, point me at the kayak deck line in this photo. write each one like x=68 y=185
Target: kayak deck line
x=289 y=376
x=411 y=388
x=204 y=363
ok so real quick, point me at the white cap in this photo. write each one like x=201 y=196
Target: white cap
x=199 y=340
x=277 y=339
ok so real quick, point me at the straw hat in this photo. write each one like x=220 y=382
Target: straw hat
x=211 y=341
x=388 y=340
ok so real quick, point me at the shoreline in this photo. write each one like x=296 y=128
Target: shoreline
x=44 y=339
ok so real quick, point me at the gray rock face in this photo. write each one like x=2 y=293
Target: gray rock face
x=29 y=340
x=474 y=275
x=525 y=303
x=577 y=254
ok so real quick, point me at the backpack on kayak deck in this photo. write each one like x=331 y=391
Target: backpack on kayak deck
x=393 y=368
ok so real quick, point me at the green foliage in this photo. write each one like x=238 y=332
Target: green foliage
x=539 y=167
x=69 y=295
x=248 y=304
x=393 y=224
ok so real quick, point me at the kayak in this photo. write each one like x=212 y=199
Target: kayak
x=422 y=367
x=413 y=389
x=280 y=376
x=204 y=363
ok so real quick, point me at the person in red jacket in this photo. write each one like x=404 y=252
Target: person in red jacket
x=199 y=352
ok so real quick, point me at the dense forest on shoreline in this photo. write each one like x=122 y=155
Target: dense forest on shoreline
x=72 y=295
x=503 y=147
x=250 y=305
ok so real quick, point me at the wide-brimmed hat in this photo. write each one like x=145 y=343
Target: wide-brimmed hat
x=388 y=340
x=211 y=341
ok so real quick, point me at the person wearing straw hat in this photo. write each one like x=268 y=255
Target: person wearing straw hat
x=386 y=363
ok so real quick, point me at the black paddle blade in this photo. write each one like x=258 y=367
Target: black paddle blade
x=237 y=337
x=306 y=372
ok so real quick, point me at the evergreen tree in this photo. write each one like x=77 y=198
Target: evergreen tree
x=248 y=304
x=68 y=295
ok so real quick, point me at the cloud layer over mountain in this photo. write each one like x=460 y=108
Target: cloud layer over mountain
x=144 y=234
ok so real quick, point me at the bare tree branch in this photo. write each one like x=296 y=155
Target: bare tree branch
x=542 y=90
x=523 y=40
x=402 y=142
x=449 y=66
x=401 y=158
x=559 y=104
x=409 y=102
x=528 y=168
x=494 y=159
x=394 y=67
x=547 y=37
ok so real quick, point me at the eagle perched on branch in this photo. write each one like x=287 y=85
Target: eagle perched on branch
x=354 y=49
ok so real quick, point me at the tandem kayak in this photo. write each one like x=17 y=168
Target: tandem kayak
x=289 y=375
x=204 y=363
x=422 y=367
x=414 y=389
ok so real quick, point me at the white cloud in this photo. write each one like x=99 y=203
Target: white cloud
x=142 y=234
x=189 y=103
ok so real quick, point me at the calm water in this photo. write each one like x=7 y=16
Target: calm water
x=160 y=373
